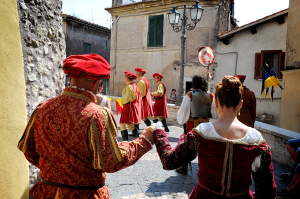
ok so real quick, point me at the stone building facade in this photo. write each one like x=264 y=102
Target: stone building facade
x=43 y=44
x=83 y=37
x=130 y=40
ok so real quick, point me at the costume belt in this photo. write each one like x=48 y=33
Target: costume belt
x=158 y=98
x=72 y=186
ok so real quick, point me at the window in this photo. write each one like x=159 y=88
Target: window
x=87 y=48
x=155 y=31
x=274 y=58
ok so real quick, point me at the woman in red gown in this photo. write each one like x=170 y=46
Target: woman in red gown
x=228 y=151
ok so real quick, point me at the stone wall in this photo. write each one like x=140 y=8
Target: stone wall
x=43 y=52
x=43 y=49
x=276 y=138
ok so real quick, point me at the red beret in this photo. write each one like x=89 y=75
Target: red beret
x=240 y=76
x=140 y=70
x=91 y=66
x=129 y=74
x=158 y=75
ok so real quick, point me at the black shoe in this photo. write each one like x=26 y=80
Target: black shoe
x=154 y=121
x=286 y=177
x=124 y=135
x=137 y=126
x=147 y=122
x=182 y=169
x=165 y=125
x=135 y=133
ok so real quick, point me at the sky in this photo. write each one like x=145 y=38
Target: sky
x=246 y=11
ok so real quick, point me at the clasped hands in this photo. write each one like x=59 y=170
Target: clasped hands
x=148 y=132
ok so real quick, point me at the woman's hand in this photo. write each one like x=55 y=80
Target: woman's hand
x=148 y=134
x=152 y=127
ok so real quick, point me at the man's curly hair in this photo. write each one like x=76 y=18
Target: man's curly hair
x=199 y=82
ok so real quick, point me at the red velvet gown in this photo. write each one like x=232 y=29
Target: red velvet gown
x=131 y=112
x=73 y=141
x=224 y=166
x=248 y=111
x=147 y=109
x=161 y=107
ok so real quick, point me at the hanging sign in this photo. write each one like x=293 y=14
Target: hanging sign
x=205 y=56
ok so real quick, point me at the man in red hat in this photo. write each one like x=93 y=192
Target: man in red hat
x=73 y=141
x=143 y=85
x=247 y=114
x=131 y=112
x=160 y=106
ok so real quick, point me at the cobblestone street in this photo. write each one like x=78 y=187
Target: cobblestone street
x=147 y=178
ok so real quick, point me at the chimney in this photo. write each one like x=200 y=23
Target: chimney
x=116 y=3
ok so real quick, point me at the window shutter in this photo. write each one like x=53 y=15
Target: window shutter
x=281 y=64
x=159 y=30
x=151 y=31
x=258 y=71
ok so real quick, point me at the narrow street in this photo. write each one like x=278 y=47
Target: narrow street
x=147 y=178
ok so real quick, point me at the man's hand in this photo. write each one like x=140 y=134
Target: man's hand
x=148 y=134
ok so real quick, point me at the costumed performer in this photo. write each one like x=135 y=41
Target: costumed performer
x=228 y=151
x=131 y=112
x=160 y=106
x=73 y=141
x=247 y=114
x=143 y=85
x=195 y=108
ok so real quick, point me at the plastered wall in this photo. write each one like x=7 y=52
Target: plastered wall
x=14 y=178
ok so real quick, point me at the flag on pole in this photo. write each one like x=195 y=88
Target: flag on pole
x=268 y=81
x=119 y=106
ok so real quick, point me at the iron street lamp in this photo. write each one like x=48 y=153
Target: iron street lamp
x=174 y=16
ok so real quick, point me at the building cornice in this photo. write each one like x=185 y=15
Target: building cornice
x=154 y=6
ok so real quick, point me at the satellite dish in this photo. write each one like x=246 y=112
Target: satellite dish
x=205 y=56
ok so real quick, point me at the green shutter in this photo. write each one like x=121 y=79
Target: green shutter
x=151 y=31
x=159 y=30
x=155 y=32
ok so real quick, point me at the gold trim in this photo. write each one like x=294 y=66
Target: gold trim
x=98 y=159
x=28 y=133
x=76 y=95
x=229 y=170
x=224 y=168
x=110 y=127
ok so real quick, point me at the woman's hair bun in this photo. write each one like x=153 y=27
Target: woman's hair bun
x=230 y=82
x=229 y=92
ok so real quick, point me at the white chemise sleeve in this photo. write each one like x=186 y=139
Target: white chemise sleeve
x=183 y=114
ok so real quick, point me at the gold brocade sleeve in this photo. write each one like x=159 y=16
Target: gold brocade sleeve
x=160 y=91
x=142 y=87
x=109 y=154
x=27 y=143
x=128 y=94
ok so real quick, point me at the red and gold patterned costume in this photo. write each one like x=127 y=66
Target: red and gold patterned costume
x=147 y=108
x=74 y=142
x=224 y=166
x=248 y=111
x=131 y=100
x=160 y=107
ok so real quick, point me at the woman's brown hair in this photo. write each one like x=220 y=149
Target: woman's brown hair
x=229 y=92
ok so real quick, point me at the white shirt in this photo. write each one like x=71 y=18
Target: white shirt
x=183 y=114
x=103 y=102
